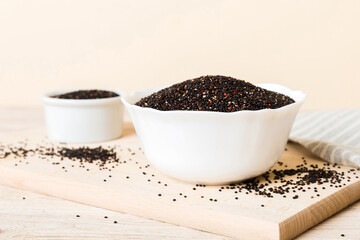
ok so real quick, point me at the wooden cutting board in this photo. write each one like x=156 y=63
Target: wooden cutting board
x=133 y=186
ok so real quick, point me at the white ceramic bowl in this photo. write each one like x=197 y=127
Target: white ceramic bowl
x=214 y=147
x=83 y=120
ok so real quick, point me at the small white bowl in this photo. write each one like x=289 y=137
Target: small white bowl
x=214 y=147
x=83 y=120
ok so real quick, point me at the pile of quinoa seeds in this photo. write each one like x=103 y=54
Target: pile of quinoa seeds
x=87 y=94
x=214 y=93
x=117 y=162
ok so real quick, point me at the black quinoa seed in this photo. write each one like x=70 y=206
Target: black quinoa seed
x=87 y=94
x=284 y=181
x=214 y=93
x=90 y=155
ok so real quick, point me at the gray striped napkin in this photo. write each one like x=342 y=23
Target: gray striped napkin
x=332 y=135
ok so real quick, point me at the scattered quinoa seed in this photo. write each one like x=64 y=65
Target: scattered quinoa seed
x=286 y=181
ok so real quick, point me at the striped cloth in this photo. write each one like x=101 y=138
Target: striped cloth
x=332 y=135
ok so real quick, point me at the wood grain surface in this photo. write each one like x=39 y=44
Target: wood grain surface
x=350 y=233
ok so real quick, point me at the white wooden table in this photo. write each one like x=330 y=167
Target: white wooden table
x=42 y=217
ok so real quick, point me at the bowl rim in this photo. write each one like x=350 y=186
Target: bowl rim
x=47 y=98
x=299 y=101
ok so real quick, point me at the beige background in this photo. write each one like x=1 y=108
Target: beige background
x=309 y=45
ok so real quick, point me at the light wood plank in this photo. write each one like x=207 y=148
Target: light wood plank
x=305 y=235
